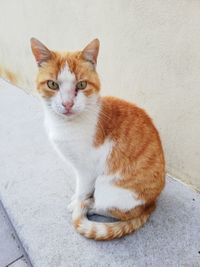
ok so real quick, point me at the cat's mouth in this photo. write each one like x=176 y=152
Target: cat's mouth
x=69 y=113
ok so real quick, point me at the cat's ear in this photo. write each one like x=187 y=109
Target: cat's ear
x=90 y=52
x=40 y=51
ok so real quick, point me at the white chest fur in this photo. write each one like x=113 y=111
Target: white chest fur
x=73 y=140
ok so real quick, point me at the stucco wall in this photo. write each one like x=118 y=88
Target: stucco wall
x=150 y=54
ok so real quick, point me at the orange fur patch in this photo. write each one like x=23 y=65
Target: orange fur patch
x=137 y=153
x=133 y=213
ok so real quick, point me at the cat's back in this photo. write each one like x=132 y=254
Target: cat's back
x=121 y=119
x=122 y=109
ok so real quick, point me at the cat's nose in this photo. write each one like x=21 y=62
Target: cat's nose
x=68 y=104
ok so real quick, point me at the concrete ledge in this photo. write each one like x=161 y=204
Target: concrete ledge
x=12 y=252
x=35 y=187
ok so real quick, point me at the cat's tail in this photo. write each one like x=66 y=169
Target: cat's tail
x=106 y=231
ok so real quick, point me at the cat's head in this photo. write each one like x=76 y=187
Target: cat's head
x=67 y=81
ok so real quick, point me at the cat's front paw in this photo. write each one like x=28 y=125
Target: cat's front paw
x=76 y=200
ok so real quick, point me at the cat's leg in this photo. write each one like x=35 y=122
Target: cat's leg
x=84 y=189
x=109 y=198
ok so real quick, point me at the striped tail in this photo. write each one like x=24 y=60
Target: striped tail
x=106 y=231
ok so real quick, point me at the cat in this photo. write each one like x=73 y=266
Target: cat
x=113 y=144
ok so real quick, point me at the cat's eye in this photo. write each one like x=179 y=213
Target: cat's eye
x=52 y=85
x=81 y=85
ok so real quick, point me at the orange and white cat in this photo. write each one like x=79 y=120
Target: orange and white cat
x=112 y=144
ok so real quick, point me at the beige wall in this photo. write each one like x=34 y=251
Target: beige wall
x=150 y=54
